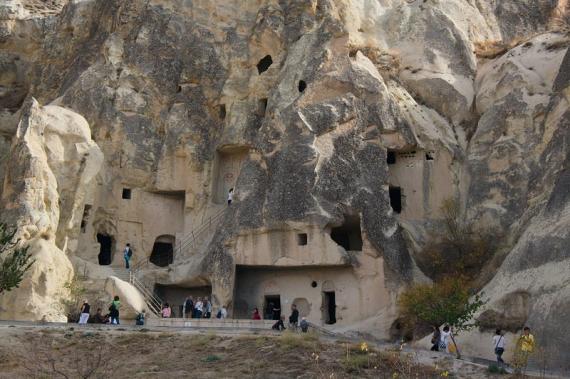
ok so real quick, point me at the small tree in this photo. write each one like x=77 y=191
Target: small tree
x=446 y=302
x=14 y=261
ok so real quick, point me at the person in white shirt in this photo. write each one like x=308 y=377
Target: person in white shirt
x=230 y=196
x=198 y=308
x=445 y=339
x=499 y=345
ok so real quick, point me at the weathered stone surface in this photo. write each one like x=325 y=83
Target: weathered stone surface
x=53 y=162
x=175 y=100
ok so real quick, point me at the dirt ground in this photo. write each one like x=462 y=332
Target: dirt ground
x=73 y=352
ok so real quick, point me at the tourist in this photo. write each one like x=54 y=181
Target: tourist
x=166 y=311
x=140 y=318
x=304 y=325
x=198 y=308
x=276 y=310
x=207 y=308
x=445 y=339
x=114 y=310
x=294 y=318
x=127 y=254
x=99 y=318
x=222 y=313
x=188 y=307
x=256 y=315
x=84 y=313
x=230 y=196
x=525 y=347
x=435 y=338
x=279 y=325
x=499 y=344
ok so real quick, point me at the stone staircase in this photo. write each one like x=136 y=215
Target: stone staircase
x=190 y=241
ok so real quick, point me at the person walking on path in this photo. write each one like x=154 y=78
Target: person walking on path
x=127 y=254
x=189 y=307
x=114 y=310
x=294 y=318
x=525 y=347
x=84 y=314
x=256 y=315
x=499 y=345
x=230 y=196
x=435 y=339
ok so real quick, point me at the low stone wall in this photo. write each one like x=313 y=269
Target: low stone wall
x=210 y=323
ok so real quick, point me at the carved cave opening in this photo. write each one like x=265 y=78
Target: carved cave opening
x=163 y=251
x=349 y=234
x=263 y=64
x=302 y=85
x=106 y=244
x=175 y=295
x=395 y=199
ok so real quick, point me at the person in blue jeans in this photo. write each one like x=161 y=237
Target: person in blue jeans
x=127 y=253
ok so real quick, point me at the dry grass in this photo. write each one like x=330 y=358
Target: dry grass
x=132 y=354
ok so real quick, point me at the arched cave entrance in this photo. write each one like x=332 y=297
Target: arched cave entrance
x=163 y=251
x=105 y=249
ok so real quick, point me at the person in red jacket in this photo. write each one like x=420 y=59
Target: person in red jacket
x=256 y=315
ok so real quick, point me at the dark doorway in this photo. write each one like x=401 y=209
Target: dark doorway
x=391 y=157
x=264 y=64
x=302 y=85
x=329 y=307
x=105 y=249
x=271 y=302
x=163 y=251
x=396 y=199
x=348 y=235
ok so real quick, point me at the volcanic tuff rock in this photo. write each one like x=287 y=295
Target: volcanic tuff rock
x=53 y=160
x=319 y=114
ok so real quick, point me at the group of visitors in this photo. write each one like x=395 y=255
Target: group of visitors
x=444 y=341
x=200 y=308
x=275 y=312
x=99 y=318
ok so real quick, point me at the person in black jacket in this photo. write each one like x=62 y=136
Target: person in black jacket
x=294 y=318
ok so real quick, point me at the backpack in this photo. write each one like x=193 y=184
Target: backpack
x=130 y=253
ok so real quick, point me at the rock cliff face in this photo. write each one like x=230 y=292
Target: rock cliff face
x=342 y=126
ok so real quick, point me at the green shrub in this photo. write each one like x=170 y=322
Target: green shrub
x=212 y=358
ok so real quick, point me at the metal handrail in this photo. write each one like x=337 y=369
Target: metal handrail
x=153 y=302
x=187 y=241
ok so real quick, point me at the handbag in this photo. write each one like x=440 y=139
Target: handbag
x=497 y=349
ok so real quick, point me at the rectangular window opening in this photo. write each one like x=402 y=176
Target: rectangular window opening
x=391 y=157
x=302 y=239
x=126 y=193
